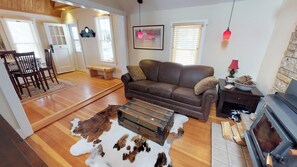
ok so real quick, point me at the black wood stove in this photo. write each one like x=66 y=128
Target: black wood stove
x=273 y=135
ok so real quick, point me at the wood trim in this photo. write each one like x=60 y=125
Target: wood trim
x=65 y=7
x=62 y=113
x=44 y=7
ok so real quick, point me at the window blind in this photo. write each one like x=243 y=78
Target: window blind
x=186 y=42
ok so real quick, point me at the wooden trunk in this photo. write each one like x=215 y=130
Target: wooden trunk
x=149 y=120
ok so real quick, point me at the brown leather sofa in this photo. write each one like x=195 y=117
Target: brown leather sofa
x=171 y=85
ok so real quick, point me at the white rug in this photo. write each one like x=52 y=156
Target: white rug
x=114 y=158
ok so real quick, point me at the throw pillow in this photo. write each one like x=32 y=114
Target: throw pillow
x=205 y=84
x=136 y=73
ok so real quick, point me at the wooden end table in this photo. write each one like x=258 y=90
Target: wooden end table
x=234 y=98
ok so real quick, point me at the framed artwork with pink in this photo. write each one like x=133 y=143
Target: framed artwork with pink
x=149 y=37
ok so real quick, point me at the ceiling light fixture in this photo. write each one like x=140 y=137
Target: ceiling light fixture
x=227 y=33
x=139 y=34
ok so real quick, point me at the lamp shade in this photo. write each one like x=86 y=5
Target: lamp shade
x=234 y=65
x=226 y=35
x=139 y=34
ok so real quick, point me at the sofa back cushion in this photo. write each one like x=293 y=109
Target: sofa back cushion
x=170 y=73
x=150 y=68
x=192 y=74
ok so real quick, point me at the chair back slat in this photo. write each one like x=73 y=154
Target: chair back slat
x=7 y=56
x=26 y=62
x=48 y=58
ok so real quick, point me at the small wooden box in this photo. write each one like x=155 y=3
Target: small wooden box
x=149 y=120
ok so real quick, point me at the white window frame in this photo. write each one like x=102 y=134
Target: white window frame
x=201 y=45
x=34 y=31
x=98 y=37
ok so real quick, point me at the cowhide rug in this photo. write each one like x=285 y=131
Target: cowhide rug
x=111 y=145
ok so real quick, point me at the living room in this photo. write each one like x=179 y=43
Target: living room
x=261 y=32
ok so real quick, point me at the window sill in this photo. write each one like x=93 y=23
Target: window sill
x=112 y=64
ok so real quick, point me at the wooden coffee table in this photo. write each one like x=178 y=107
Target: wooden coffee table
x=149 y=120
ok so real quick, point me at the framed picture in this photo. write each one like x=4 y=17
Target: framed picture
x=148 y=37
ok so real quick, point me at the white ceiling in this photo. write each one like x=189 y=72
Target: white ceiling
x=131 y=6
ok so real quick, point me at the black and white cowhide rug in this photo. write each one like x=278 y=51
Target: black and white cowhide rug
x=111 y=145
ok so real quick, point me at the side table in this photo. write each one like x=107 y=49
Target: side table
x=234 y=98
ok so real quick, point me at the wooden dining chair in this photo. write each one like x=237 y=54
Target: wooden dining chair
x=27 y=65
x=49 y=67
x=7 y=58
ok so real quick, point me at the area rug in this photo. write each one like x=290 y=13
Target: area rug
x=111 y=145
x=39 y=93
x=227 y=153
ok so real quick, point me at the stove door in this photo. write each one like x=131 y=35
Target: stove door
x=269 y=137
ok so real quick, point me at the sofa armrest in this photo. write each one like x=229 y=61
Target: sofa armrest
x=126 y=78
x=210 y=94
x=208 y=97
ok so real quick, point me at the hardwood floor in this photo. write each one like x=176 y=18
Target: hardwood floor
x=54 y=106
x=53 y=142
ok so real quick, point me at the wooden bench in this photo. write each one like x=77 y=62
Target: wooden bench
x=107 y=71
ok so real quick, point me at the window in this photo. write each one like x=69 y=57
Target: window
x=186 y=42
x=105 y=38
x=23 y=36
x=75 y=38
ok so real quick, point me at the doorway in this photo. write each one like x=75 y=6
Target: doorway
x=60 y=42
x=80 y=63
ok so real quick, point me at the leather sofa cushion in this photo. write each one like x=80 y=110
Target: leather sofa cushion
x=186 y=95
x=170 y=73
x=141 y=86
x=150 y=68
x=193 y=74
x=162 y=89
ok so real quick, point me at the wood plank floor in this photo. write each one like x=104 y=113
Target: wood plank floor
x=53 y=142
x=85 y=87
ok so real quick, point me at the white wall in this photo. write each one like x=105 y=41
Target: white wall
x=39 y=20
x=11 y=107
x=286 y=21
x=109 y=3
x=252 y=25
x=86 y=18
x=6 y=112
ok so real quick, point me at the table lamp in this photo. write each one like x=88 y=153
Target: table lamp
x=232 y=69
